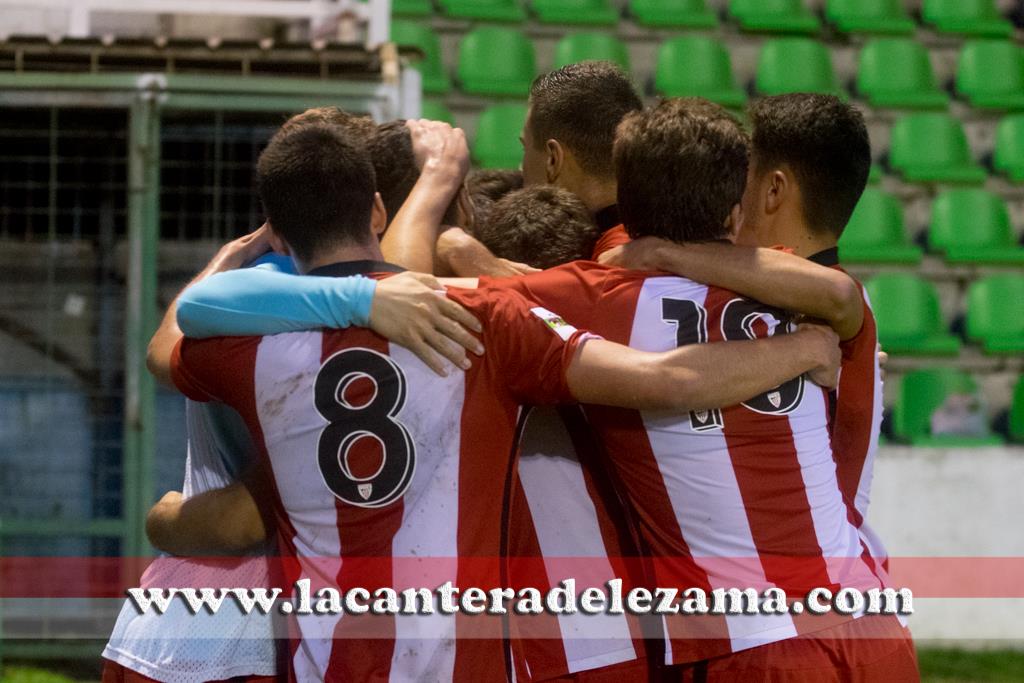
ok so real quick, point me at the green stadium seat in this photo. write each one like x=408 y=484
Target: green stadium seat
x=907 y=312
x=496 y=144
x=595 y=12
x=876 y=174
x=697 y=66
x=411 y=8
x=869 y=16
x=435 y=78
x=673 y=13
x=795 y=65
x=486 y=10
x=966 y=17
x=436 y=111
x=582 y=47
x=1017 y=412
x=496 y=61
x=990 y=74
x=1009 y=154
x=932 y=147
x=973 y=226
x=995 y=313
x=922 y=392
x=774 y=16
x=896 y=72
x=875 y=233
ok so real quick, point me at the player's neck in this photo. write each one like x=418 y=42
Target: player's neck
x=360 y=252
x=805 y=242
x=596 y=194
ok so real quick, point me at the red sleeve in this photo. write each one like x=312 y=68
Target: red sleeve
x=573 y=289
x=213 y=369
x=529 y=348
x=616 y=237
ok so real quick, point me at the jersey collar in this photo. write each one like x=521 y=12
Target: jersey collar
x=826 y=257
x=607 y=218
x=349 y=268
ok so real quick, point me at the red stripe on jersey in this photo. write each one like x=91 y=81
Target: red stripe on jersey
x=671 y=563
x=364 y=536
x=768 y=473
x=855 y=414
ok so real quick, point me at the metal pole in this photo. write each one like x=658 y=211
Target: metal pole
x=141 y=318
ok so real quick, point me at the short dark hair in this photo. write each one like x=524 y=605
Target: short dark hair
x=358 y=125
x=542 y=226
x=316 y=184
x=681 y=168
x=487 y=186
x=394 y=162
x=826 y=144
x=580 y=105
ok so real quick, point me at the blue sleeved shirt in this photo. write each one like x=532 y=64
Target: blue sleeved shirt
x=268 y=298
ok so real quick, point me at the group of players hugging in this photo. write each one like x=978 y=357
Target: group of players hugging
x=647 y=370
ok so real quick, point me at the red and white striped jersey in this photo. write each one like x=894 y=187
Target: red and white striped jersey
x=857 y=417
x=743 y=497
x=387 y=475
x=567 y=521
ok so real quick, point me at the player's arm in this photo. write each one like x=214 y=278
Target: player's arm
x=234 y=254
x=700 y=376
x=409 y=309
x=768 y=275
x=443 y=158
x=224 y=521
x=462 y=255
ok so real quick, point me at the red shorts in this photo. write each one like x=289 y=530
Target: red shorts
x=116 y=673
x=865 y=650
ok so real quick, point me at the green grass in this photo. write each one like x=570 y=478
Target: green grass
x=937 y=666
x=960 y=666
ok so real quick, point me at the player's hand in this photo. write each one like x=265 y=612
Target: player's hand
x=438 y=148
x=241 y=251
x=825 y=345
x=412 y=310
x=640 y=254
x=505 y=268
x=883 y=360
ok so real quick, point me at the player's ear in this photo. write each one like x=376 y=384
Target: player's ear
x=555 y=160
x=378 y=216
x=776 y=190
x=276 y=243
x=734 y=223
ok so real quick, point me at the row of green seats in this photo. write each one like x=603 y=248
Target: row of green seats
x=962 y=17
x=943 y=407
x=967 y=226
x=892 y=72
x=909 y=319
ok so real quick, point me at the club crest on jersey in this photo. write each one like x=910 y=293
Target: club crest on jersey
x=365 y=490
x=555 y=322
x=775 y=398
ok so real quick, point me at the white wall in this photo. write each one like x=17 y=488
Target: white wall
x=956 y=503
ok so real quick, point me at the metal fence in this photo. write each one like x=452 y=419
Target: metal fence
x=114 y=189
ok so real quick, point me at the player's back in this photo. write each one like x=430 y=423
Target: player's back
x=387 y=475
x=746 y=496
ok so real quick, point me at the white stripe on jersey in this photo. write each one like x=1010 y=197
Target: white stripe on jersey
x=286 y=367
x=567 y=527
x=837 y=536
x=701 y=483
x=429 y=528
